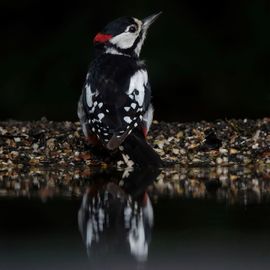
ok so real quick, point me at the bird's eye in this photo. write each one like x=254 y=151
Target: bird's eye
x=132 y=29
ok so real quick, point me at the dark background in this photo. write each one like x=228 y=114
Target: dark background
x=206 y=59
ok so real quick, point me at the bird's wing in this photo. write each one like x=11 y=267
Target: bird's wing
x=115 y=102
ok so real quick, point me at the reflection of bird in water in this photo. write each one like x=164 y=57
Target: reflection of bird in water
x=117 y=219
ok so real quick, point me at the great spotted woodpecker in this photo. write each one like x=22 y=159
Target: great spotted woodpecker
x=115 y=104
x=113 y=215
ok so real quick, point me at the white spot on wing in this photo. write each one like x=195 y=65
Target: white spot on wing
x=100 y=104
x=133 y=105
x=101 y=116
x=126 y=109
x=127 y=119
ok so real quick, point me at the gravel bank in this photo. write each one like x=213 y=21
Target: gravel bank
x=201 y=144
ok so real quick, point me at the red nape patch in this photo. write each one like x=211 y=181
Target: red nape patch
x=102 y=38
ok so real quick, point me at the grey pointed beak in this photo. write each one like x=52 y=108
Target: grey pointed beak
x=149 y=20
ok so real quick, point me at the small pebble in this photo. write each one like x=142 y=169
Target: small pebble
x=17 y=139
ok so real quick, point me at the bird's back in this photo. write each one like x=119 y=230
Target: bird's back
x=115 y=96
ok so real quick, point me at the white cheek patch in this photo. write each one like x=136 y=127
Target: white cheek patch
x=124 y=40
x=138 y=82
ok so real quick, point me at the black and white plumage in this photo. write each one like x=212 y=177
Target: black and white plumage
x=113 y=215
x=115 y=104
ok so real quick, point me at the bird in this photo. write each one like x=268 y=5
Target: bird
x=115 y=107
x=114 y=214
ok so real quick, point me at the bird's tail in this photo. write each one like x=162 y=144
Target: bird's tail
x=136 y=148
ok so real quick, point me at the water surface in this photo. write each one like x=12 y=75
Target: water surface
x=191 y=219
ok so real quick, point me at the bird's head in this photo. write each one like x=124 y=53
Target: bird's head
x=124 y=35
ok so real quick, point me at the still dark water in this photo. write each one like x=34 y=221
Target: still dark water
x=135 y=223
